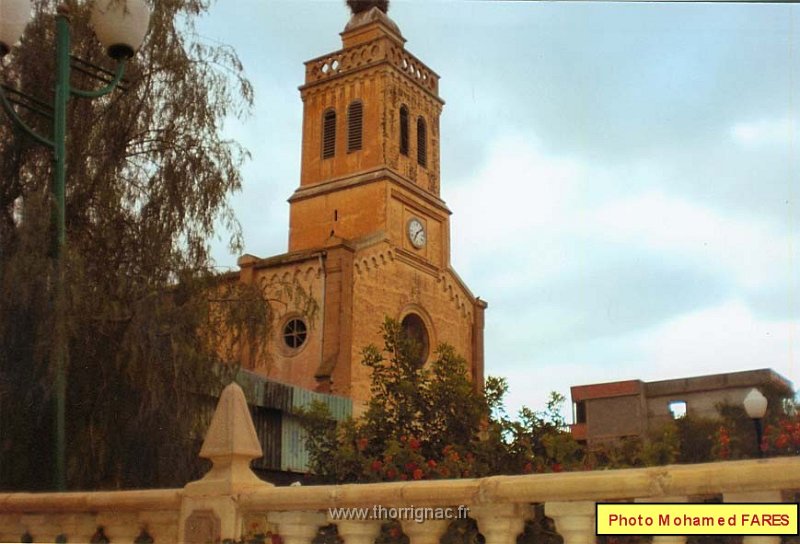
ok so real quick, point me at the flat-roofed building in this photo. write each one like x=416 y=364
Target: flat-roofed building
x=608 y=411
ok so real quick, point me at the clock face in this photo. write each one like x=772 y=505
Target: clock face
x=416 y=233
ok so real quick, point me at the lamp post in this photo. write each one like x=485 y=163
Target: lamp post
x=120 y=25
x=755 y=404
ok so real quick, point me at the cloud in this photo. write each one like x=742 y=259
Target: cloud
x=519 y=194
x=766 y=131
x=585 y=273
x=724 y=338
x=752 y=251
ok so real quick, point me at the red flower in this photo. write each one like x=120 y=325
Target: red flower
x=411 y=467
x=391 y=474
x=528 y=468
x=403 y=477
x=362 y=444
x=431 y=463
x=376 y=465
x=413 y=443
x=417 y=474
x=557 y=467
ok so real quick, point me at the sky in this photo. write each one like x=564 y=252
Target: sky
x=624 y=177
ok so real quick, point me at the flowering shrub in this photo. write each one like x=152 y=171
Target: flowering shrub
x=427 y=422
x=783 y=438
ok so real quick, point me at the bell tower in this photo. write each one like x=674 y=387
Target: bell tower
x=370 y=149
x=369 y=235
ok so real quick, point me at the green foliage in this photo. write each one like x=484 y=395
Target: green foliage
x=420 y=422
x=148 y=323
x=429 y=422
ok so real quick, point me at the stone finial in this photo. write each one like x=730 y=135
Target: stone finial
x=231 y=432
x=231 y=443
x=359 y=6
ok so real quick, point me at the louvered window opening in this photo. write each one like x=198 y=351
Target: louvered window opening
x=404 y=131
x=422 y=142
x=355 y=126
x=329 y=134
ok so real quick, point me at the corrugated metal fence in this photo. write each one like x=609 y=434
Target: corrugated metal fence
x=275 y=407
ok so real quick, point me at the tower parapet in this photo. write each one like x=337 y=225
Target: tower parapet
x=371 y=38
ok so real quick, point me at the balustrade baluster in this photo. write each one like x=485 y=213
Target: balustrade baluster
x=297 y=527
x=427 y=532
x=667 y=539
x=501 y=523
x=357 y=532
x=574 y=520
x=756 y=496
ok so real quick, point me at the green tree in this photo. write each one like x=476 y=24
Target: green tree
x=429 y=422
x=149 y=176
x=419 y=423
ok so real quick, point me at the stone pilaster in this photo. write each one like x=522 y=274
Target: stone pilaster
x=574 y=520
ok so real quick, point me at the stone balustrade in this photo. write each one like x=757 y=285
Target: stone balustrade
x=230 y=500
x=380 y=51
x=125 y=516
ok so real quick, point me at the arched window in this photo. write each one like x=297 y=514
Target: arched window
x=422 y=142
x=415 y=332
x=329 y=134
x=404 y=130
x=355 y=126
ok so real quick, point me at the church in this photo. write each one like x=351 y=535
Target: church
x=369 y=234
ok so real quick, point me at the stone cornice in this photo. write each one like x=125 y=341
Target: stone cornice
x=365 y=178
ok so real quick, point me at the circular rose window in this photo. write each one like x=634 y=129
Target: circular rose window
x=295 y=333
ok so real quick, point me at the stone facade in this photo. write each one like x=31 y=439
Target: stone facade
x=369 y=235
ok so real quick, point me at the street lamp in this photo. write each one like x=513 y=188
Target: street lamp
x=120 y=25
x=755 y=404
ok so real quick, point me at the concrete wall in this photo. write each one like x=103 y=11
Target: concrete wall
x=614 y=417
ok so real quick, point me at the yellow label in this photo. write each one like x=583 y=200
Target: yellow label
x=696 y=519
